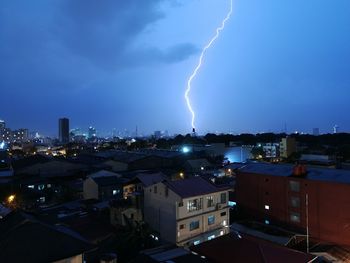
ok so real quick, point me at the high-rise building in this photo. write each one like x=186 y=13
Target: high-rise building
x=2 y=124
x=2 y=129
x=92 y=132
x=63 y=130
x=335 y=129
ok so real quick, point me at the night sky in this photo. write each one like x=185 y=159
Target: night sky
x=122 y=63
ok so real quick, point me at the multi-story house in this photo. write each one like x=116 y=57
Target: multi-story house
x=187 y=212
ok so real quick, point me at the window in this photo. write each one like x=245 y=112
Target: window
x=131 y=216
x=41 y=187
x=210 y=201
x=211 y=237
x=166 y=191
x=196 y=242
x=181 y=204
x=194 y=205
x=182 y=226
x=155 y=189
x=115 y=192
x=223 y=198
x=267 y=222
x=294 y=186
x=295 y=201
x=232 y=203
x=295 y=217
x=267 y=207
x=211 y=220
x=31 y=186
x=194 y=225
x=223 y=214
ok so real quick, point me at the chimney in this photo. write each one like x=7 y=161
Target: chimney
x=299 y=170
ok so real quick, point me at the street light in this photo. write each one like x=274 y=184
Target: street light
x=11 y=198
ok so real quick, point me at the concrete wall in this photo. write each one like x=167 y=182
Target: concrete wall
x=164 y=215
x=160 y=211
x=328 y=204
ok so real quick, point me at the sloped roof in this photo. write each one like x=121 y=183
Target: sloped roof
x=24 y=239
x=248 y=249
x=109 y=180
x=103 y=173
x=194 y=186
x=150 y=179
x=198 y=163
x=53 y=168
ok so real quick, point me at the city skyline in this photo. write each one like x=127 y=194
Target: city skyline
x=121 y=67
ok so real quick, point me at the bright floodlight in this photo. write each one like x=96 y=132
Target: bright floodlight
x=185 y=149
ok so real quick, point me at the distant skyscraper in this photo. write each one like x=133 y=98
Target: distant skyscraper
x=335 y=129
x=92 y=132
x=157 y=134
x=315 y=131
x=2 y=124
x=2 y=129
x=63 y=130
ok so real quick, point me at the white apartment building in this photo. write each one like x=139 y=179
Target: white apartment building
x=187 y=212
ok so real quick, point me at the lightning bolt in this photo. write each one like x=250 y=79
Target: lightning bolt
x=204 y=50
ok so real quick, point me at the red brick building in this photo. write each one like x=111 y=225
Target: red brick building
x=277 y=193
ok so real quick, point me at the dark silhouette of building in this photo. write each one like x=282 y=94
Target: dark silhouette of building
x=63 y=130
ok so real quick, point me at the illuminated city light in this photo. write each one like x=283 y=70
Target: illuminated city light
x=189 y=82
x=11 y=198
x=185 y=149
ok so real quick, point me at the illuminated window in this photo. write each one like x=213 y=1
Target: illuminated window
x=211 y=237
x=267 y=207
x=211 y=220
x=194 y=205
x=295 y=217
x=194 y=225
x=196 y=242
x=221 y=233
x=267 y=222
x=115 y=192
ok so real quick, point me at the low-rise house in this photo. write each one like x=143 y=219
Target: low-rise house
x=25 y=239
x=188 y=211
x=104 y=185
x=196 y=166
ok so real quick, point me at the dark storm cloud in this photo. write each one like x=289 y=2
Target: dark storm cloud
x=105 y=34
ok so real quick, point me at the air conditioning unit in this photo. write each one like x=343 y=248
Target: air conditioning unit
x=219 y=206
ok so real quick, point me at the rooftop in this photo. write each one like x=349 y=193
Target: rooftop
x=313 y=173
x=24 y=239
x=243 y=248
x=194 y=186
